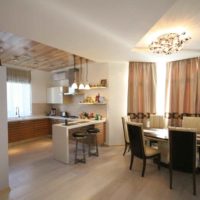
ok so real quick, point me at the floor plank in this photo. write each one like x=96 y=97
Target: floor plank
x=35 y=175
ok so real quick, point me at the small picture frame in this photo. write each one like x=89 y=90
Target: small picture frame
x=104 y=82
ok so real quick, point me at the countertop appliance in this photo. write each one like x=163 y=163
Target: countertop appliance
x=53 y=112
x=64 y=114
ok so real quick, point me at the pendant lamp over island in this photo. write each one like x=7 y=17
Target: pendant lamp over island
x=74 y=85
x=87 y=86
x=81 y=86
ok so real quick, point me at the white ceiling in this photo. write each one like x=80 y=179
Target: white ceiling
x=104 y=30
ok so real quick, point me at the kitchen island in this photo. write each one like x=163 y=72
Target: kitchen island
x=60 y=137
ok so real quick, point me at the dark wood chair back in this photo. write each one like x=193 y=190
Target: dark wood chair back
x=182 y=149
x=136 y=139
x=182 y=145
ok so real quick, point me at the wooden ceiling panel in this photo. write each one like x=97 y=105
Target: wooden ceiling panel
x=21 y=52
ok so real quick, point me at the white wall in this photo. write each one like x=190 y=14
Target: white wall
x=3 y=131
x=117 y=105
x=40 y=81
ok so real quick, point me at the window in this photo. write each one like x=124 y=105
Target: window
x=160 y=87
x=18 y=93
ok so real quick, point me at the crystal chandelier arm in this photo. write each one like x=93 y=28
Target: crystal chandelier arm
x=169 y=43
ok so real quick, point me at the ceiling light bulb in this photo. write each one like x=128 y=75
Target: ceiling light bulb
x=81 y=87
x=87 y=86
x=74 y=85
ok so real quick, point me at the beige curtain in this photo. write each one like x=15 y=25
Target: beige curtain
x=141 y=90
x=19 y=76
x=182 y=90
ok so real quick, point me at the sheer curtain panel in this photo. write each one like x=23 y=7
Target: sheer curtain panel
x=182 y=90
x=18 y=92
x=141 y=90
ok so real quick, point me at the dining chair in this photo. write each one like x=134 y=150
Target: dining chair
x=125 y=119
x=138 y=147
x=192 y=122
x=157 y=121
x=182 y=155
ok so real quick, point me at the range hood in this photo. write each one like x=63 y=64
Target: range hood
x=64 y=75
x=72 y=91
x=66 y=78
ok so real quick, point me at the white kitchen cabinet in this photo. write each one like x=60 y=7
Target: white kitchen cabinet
x=55 y=95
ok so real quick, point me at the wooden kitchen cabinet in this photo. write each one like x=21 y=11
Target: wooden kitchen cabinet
x=20 y=130
x=101 y=136
x=27 y=129
x=42 y=127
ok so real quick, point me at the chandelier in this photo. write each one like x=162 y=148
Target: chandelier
x=169 y=43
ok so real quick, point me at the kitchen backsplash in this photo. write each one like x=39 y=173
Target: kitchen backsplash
x=40 y=108
x=75 y=108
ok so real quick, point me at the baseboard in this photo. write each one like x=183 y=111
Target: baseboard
x=114 y=145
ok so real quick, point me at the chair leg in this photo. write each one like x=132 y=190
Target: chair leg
x=144 y=167
x=89 y=145
x=97 y=149
x=83 y=146
x=159 y=161
x=132 y=158
x=125 y=149
x=170 y=177
x=129 y=147
x=76 y=151
x=194 y=183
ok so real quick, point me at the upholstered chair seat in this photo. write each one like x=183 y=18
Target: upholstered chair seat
x=149 y=151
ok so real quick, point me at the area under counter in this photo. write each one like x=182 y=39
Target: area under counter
x=60 y=136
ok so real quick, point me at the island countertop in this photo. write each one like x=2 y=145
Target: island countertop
x=76 y=123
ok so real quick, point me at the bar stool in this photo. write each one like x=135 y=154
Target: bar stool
x=80 y=137
x=92 y=134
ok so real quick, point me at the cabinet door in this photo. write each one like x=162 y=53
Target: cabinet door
x=102 y=134
x=14 y=132
x=42 y=127
x=20 y=130
x=27 y=129
x=55 y=95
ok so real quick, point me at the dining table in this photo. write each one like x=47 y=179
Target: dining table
x=161 y=135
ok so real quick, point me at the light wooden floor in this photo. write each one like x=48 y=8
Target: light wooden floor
x=35 y=175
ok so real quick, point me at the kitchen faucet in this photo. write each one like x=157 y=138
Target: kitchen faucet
x=17 y=111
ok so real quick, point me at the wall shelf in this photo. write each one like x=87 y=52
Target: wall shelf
x=93 y=103
x=98 y=87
